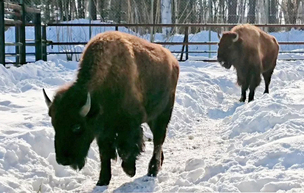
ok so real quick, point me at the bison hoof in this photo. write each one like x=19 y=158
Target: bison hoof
x=154 y=167
x=242 y=99
x=102 y=182
x=129 y=168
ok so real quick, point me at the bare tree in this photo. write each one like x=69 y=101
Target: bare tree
x=251 y=12
x=92 y=9
x=232 y=16
x=273 y=10
x=80 y=8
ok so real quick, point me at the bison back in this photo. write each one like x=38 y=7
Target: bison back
x=127 y=72
x=258 y=45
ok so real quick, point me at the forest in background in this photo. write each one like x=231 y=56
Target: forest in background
x=182 y=11
x=172 y=11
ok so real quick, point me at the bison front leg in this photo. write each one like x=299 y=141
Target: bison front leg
x=107 y=152
x=130 y=145
x=105 y=171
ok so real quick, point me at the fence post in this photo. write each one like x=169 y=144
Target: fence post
x=44 y=43
x=22 y=34
x=17 y=40
x=38 y=53
x=187 y=41
x=2 y=33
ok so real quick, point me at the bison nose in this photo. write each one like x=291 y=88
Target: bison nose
x=62 y=161
x=64 y=158
x=220 y=60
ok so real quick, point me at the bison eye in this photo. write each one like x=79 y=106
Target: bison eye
x=76 y=129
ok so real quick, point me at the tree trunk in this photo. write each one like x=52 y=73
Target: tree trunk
x=92 y=10
x=273 y=10
x=66 y=10
x=47 y=11
x=60 y=6
x=301 y=12
x=192 y=15
x=166 y=16
x=80 y=8
x=221 y=11
x=101 y=9
x=176 y=21
x=251 y=12
x=129 y=13
x=232 y=17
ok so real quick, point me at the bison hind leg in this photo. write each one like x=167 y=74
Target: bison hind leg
x=243 y=93
x=255 y=79
x=158 y=127
x=267 y=78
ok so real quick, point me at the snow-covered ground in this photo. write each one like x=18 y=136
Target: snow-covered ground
x=214 y=143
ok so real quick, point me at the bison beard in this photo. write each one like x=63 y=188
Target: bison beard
x=252 y=52
x=123 y=81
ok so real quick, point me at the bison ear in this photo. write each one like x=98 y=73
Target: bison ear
x=47 y=99
x=86 y=108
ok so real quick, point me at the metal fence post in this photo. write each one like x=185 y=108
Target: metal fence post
x=38 y=53
x=44 y=43
x=17 y=40
x=2 y=33
x=22 y=34
x=187 y=41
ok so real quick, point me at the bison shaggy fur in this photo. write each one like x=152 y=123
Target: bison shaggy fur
x=252 y=52
x=122 y=82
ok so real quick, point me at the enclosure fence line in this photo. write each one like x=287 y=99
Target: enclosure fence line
x=41 y=43
x=185 y=44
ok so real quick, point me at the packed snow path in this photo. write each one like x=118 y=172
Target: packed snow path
x=214 y=143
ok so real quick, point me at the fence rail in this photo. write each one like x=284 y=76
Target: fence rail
x=170 y=25
x=185 y=43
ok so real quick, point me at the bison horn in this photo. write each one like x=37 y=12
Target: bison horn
x=86 y=108
x=47 y=99
x=218 y=35
x=236 y=38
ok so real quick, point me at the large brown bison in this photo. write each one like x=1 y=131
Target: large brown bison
x=122 y=82
x=252 y=52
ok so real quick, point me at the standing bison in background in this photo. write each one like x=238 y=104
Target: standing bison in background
x=252 y=52
x=122 y=82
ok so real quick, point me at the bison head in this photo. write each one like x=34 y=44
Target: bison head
x=229 y=48
x=69 y=111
